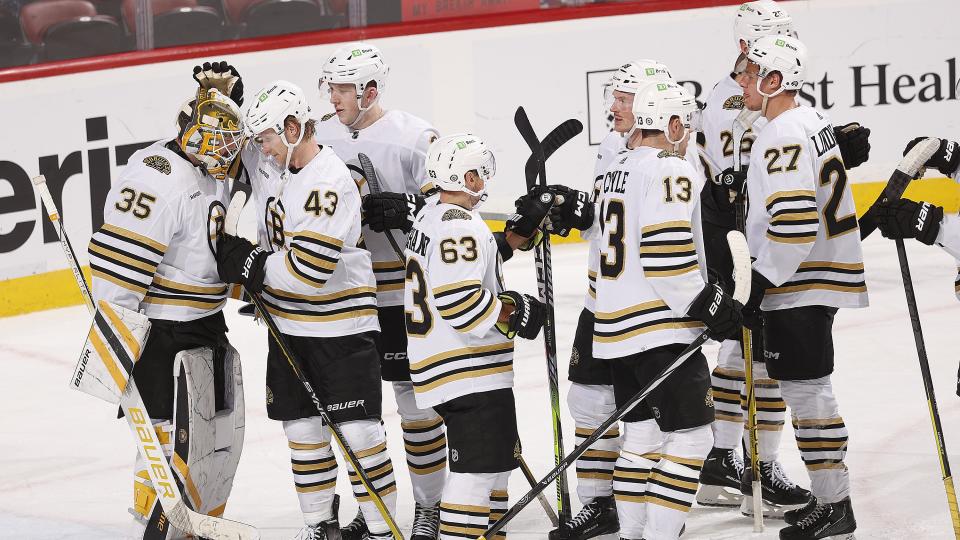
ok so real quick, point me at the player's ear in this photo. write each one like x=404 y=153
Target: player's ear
x=370 y=93
x=292 y=128
x=775 y=79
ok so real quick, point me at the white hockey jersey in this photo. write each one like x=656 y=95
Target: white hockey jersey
x=397 y=146
x=453 y=277
x=650 y=257
x=613 y=144
x=318 y=282
x=801 y=223
x=155 y=249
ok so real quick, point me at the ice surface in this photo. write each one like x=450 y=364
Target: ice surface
x=65 y=461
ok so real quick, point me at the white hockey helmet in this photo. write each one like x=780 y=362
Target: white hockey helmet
x=784 y=54
x=450 y=158
x=761 y=18
x=209 y=129
x=656 y=103
x=270 y=109
x=630 y=77
x=358 y=64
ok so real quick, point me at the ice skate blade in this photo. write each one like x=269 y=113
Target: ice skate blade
x=772 y=511
x=718 y=496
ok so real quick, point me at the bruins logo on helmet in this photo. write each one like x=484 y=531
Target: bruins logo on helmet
x=455 y=213
x=159 y=163
x=733 y=103
x=669 y=154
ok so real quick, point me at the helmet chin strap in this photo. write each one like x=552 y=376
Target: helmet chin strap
x=363 y=110
x=676 y=144
x=290 y=149
x=766 y=97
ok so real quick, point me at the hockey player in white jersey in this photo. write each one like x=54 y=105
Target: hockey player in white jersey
x=354 y=80
x=802 y=230
x=722 y=478
x=460 y=324
x=154 y=254
x=319 y=287
x=591 y=396
x=652 y=300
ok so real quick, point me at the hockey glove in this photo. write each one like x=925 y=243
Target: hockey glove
x=387 y=210
x=572 y=209
x=904 y=218
x=945 y=160
x=854 y=142
x=719 y=311
x=735 y=181
x=223 y=77
x=532 y=210
x=239 y=261
x=752 y=315
x=527 y=317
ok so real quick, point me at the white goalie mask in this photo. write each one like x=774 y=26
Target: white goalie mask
x=358 y=64
x=762 y=18
x=784 y=54
x=450 y=158
x=209 y=130
x=656 y=103
x=270 y=109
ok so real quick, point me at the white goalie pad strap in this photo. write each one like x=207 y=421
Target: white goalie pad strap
x=207 y=442
x=113 y=345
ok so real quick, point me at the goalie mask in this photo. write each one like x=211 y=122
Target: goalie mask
x=450 y=158
x=209 y=130
x=358 y=64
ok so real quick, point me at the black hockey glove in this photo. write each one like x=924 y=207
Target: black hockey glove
x=532 y=210
x=904 y=218
x=946 y=159
x=388 y=210
x=572 y=209
x=719 y=311
x=752 y=314
x=527 y=317
x=223 y=77
x=735 y=181
x=854 y=142
x=239 y=261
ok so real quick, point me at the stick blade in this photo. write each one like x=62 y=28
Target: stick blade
x=369 y=173
x=237 y=202
x=910 y=166
x=740 y=253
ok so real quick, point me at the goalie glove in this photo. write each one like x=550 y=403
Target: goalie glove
x=572 y=209
x=532 y=210
x=854 y=142
x=946 y=159
x=389 y=210
x=718 y=310
x=904 y=218
x=239 y=261
x=527 y=317
x=223 y=77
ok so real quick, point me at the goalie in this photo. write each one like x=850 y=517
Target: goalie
x=153 y=265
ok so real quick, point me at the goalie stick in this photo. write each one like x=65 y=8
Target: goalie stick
x=230 y=227
x=545 y=287
x=741 y=277
x=370 y=173
x=171 y=498
x=911 y=166
x=741 y=125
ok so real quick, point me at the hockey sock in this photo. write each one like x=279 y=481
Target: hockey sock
x=314 y=467
x=499 y=502
x=639 y=454
x=821 y=436
x=465 y=505
x=426 y=446
x=672 y=486
x=771 y=411
x=369 y=442
x=590 y=405
x=727 y=384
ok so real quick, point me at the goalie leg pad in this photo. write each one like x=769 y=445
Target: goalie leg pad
x=314 y=467
x=425 y=442
x=150 y=523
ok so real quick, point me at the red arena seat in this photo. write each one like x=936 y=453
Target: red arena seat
x=65 y=29
x=178 y=22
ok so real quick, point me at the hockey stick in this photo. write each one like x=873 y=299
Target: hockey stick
x=543 y=263
x=373 y=181
x=532 y=480
x=230 y=227
x=741 y=277
x=908 y=168
x=741 y=125
x=170 y=496
x=554 y=140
